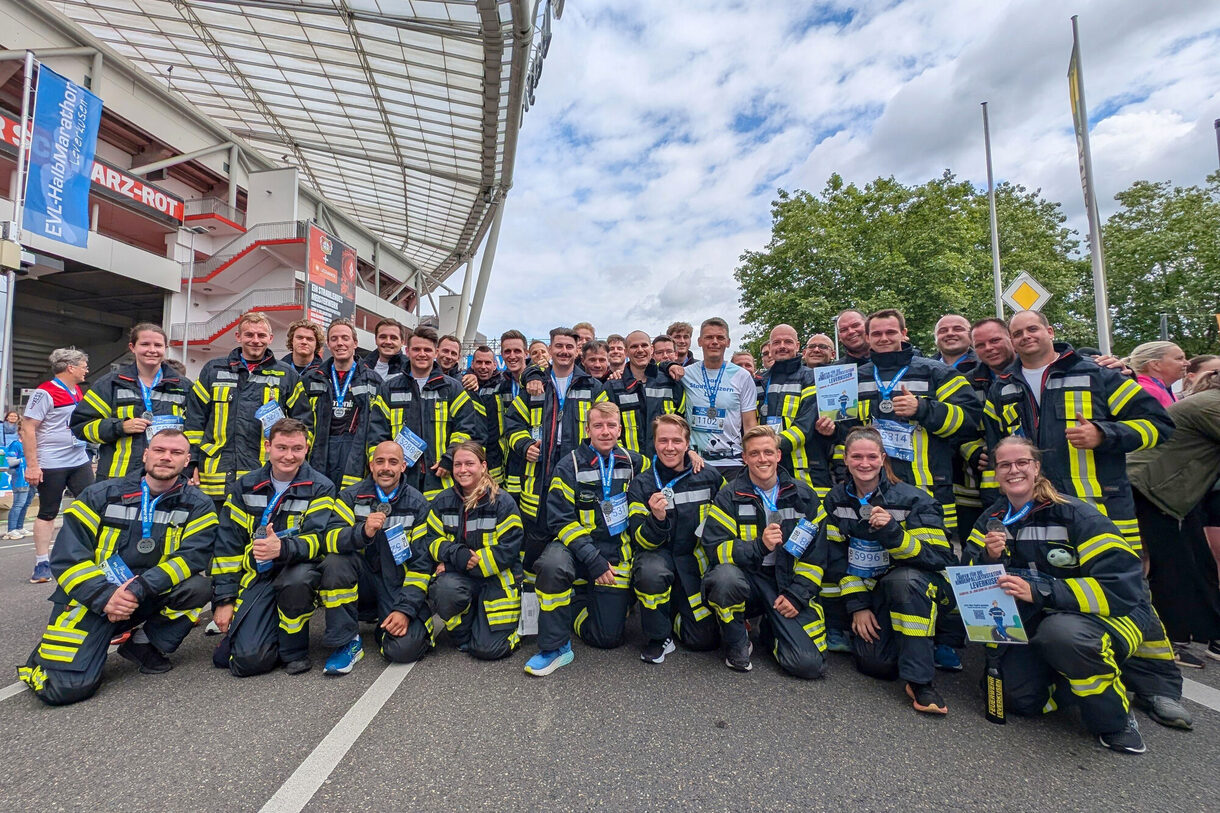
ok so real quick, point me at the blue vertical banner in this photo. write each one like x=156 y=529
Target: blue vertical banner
x=66 y=119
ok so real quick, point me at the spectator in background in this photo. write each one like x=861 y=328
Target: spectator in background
x=539 y=355
x=305 y=342
x=743 y=360
x=1195 y=368
x=1158 y=366
x=586 y=332
x=1170 y=482
x=819 y=350
x=10 y=441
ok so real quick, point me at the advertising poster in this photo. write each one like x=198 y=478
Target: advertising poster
x=990 y=614
x=330 y=285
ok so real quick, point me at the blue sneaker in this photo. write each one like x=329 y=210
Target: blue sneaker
x=549 y=660
x=946 y=658
x=42 y=573
x=836 y=641
x=344 y=658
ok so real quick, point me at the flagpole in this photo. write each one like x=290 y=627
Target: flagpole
x=1081 y=114
x=6 y=377
x=995 y=226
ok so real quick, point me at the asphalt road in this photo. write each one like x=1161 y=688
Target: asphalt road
x=607 y=732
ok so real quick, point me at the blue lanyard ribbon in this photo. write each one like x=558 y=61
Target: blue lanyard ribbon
x=269 y=511
x=341 y=391
x=71 y=393
x=146 y=392
x=562 y=399
x=607 y=473
x=851 y=489
x=887 y=390
x=387 y=498
x=1011 y=518
x=148 y=509
x=672 y=482
x=713 y=388
x=770 y=499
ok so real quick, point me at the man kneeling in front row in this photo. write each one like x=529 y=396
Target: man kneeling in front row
x=132 y=551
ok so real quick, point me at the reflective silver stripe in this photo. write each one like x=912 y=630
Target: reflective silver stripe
x=363 y=389
x=176 y=517
x=697 y=495
x=266 y=380
x=430 y=395
x=393 y=522
x=579 y=394
x=122 y=512
x=225 y=375
x=913 y=386
x=789 y=513
x=594 y=476
x=628 y=398
x=657 y=392
x=746 y=509
x=846 y=512
x=254 y=500
x=294 y=506
x=1044 y=533
x=125 y=393
x=400 y=397
x=1010 y=389
x=789 y=387
x=867 y=387
x=449 y=520
x=1069 y=381
x=484 y=524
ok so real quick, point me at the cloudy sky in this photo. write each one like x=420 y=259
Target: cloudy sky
x=662 y=130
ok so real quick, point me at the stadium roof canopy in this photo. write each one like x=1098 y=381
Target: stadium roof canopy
x=423 y=98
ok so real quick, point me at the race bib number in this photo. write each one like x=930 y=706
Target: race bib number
x=530 y=611
x=898 y=438
x=116 y=570
x=399 y=549
x=268 y=414
x=802 y=535
x=536 y=434
x=413 y=445
x=707 y=419
x=775 y=420
x=867 y=559
x=614 y=510
x=161 y=423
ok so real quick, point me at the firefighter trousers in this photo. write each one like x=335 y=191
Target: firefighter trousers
x=271 y=624
x=480 y=613
x=569 y=600
x=655 y=575
x=352 y=587
x=905 y=603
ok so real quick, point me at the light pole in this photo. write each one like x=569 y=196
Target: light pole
x=190 y=284
x=835 y=330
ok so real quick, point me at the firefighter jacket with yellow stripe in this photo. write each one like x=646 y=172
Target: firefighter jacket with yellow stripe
x=116 y=397
x=734 y=527
x=440 y=413
x=914 y=537
x=359 y=403
x=1075 y=560
x=225 y=434
x=640 y=401
x=679 y=531
x=788 y=402
x=1073 y=387
x=345 y=535
x=299 y=520
x=105 y=521
x=574 y=507
x=491 y=533
x=538 y=418
x=490 y=400
x=948 y=415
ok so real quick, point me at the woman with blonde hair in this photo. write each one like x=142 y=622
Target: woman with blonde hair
x=1080 y=593
x=474 y=533
x=1158 y=366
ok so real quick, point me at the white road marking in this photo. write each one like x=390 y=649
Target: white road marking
x=1201 y=693
x=12 y=690
x=299 y=788
x=18 y=545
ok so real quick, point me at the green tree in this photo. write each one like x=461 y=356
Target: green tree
x=925 y=249
x=1163 y=256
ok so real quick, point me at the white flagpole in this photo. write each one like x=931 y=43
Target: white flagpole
x=6 y=377
x=995 y=226
x=1081 y=115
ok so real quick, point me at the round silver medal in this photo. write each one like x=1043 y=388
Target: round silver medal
x=340 y=411
x=260 y=532
x=885 y=406
x=994 y=526
x=146 y=416
x=668 y=494
x=384 y=508
x=866 y=511
x=607 y=506
x=146 y=545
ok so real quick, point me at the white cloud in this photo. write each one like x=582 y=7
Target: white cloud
x=637 y=189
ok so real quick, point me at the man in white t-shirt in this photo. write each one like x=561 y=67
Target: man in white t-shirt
x=54 y=458
x=721 y=400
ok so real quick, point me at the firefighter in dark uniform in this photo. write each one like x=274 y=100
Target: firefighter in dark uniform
x=120 y=409
x=235 y=402
x=1080 y=592
x=886 y=544
x=473 y=532
x=763 y=540
x=341 y=394
x=375 y=563
x=587 y=510
x=667 y=507
x=489 y=400
x=642 y=393
x=132 y=551
x=265 y=571
x=788 y=402
x=1087 y=418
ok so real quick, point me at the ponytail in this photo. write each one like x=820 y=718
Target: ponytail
x=1044 y=490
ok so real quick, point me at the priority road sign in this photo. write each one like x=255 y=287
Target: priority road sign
x=1026 y=294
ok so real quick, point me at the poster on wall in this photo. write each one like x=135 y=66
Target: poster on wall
x=330 y=278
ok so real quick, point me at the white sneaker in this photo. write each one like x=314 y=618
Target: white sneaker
x=13 y=535
x=26 y=532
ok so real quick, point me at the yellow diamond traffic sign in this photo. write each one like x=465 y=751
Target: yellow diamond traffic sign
x=1026 y=294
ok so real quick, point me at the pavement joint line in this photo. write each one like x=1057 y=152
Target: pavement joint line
x=1201 y=693
x=19 y=545
x=304 y=782
x=12 y=690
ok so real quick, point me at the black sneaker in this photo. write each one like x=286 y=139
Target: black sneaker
x=1213 y=650
x=298 y=667
x=1127 y=741
x=147 y=656
x=926 y=699
x=655 y=651
x=1186 y=659
x=738 y=658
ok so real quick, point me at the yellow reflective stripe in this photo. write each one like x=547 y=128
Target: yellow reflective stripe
x=176 y=569
x=1149 y=436
x=338 y=597
x=85 y=515
x=653 y=601
x=1122 y=395
x=1089 y=595
x=293 y=625
x=549 y=602
x=910 y=546
x=416 y=580
x=344 y=511
x=955 y=417
x=850 y=585
x=200 y=523
x=1098 y=545
x=78 y=574
x=226 y=564
x=808 y=571
x=725 y=614
x=724 y=552
x=912 y=625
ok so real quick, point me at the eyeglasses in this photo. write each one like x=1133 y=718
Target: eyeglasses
x=819 y=347
x=1023 y=463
